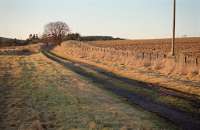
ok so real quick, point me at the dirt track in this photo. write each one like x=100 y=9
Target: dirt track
x=113 y=83
x=38 y=93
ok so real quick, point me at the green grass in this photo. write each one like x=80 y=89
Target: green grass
x=172 y=101
x=62 y=100
x=154 y=94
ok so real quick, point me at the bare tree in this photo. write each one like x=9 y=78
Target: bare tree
x=56 y=31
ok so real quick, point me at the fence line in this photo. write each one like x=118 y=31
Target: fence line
x=86 y=50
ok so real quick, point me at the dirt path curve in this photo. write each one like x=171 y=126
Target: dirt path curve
x=113 y=83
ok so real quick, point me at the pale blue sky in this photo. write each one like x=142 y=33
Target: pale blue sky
x=120 y=18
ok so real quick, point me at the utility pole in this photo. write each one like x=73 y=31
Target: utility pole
x=174 y=29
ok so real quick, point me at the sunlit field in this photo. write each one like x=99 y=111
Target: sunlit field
x=99 y=65
x=41 y=94
x=98 y=85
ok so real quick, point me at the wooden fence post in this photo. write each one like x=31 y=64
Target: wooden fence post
x=142 y=55
x=196 y=61
x=150 y=56
x=185 y=59
x=157 y=56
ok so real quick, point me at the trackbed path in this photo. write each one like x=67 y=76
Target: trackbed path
x=40 y=93
x=136 y=92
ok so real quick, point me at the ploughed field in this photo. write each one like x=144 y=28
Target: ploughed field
x=187 y=46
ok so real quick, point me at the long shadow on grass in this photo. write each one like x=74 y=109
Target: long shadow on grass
x=180 y=118
x=16 y=53
x=166 y=91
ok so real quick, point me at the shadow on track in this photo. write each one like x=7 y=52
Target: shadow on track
x=180 y=118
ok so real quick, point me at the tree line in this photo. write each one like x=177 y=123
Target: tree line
x=57 y=32
x=54 y=32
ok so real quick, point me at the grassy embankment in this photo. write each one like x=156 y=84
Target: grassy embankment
x=39 y=94
x=188 y=101
x=120 y=65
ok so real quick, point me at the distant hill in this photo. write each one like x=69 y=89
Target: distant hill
x=98 y=38
x=11 y=42
x=77 y=36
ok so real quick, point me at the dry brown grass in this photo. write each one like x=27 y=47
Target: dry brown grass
x=129 y=57
x=45 y=95
x=127 y=65
x=33 y=48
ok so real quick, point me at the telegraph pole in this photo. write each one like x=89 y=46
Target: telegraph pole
x=173 y=29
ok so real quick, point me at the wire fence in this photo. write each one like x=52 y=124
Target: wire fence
x=86 y=50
